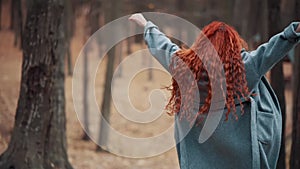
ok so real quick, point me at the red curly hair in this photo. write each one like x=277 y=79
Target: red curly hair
x=226 y=42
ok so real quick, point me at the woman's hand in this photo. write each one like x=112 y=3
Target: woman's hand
x=139 y=19
x=298 y=29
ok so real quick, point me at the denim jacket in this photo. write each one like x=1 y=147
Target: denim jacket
x=253 y=141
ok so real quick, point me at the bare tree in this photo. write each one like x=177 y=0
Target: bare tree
x=39 y=135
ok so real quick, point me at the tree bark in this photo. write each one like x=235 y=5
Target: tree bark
x=277 y=74
x=295 y=150
x=39 y=136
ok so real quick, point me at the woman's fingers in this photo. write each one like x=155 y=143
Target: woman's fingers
x=138 y=18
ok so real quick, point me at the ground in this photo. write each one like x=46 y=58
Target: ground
x=82 y=154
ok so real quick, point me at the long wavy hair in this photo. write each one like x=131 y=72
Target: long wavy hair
x=227 y=43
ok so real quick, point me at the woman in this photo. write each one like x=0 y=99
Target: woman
x=252 y=141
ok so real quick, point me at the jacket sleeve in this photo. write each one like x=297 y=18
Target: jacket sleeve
x=159 y=45
x=270 y=53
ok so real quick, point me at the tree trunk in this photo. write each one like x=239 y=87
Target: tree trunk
x=69 y=58
x=69 y=31
x=130 y=40
x=180 y=5
x=119 y=56
x=150 y=70
x=277 y=74
x=0 y=12
x=112 y=13
x=85 y=95
x=12 y=14
x=240 y=16
x=39 y=136
x=18 y=23
x=106 y=103
x=92 y=25
x=295 y=150
x=94 y=16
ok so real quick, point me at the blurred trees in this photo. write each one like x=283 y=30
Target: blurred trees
x=255 y=20
x=39 y=136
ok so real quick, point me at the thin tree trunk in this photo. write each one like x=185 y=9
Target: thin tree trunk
x=39 y=136
x=94 y=16
x=106 y=103
x=69 y=59
x=277 y=74
x=92 y=25
x=180 y=5
x=150 y=70
x=130 y=40
x=69 y=29
x=18 y=25
x=240 y=16
x=12 y=14
x=119 y=49
x=85 y=96
x=0 y=13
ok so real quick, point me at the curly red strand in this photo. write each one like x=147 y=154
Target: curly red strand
x=228 y=45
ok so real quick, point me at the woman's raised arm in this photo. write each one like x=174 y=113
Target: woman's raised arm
x=268 y=54
x=159 y=44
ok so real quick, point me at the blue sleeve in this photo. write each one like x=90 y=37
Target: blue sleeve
x=159 y=45
x=270 y=53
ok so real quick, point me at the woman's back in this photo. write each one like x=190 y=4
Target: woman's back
x=252 y=141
